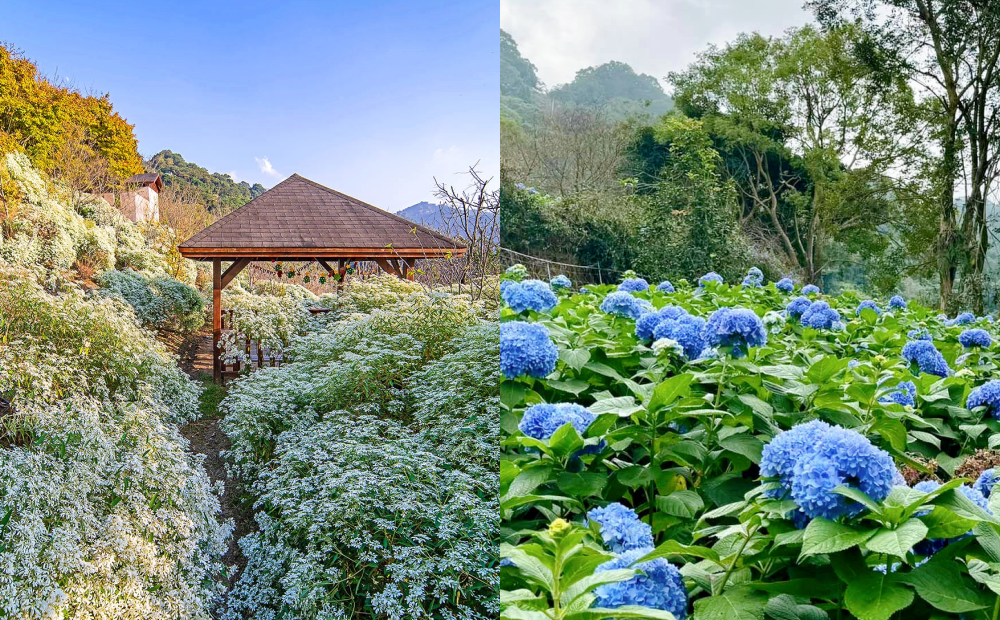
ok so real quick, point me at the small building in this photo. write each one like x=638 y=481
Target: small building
x=139 y=198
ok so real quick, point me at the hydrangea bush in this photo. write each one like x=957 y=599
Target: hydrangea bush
x=727 y=451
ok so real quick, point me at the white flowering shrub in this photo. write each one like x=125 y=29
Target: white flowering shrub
x=271 y=320
x=372 y=461
x=160 y=302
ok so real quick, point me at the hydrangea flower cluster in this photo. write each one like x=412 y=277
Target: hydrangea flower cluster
x=646 y=323
x=871 y=305
x=754 y=278
x=621 y=529
x=711 y=276
x=530 y=295
x=927 y=357
x=905 y=393
x=542 y=420
x=988 y=395
x=526 y=349
x=962 y=319
x=897 y=303
x=774 y=321
x=633 y=285
x=919 y=334
x=975 y=338
x=736 y=328
x=931 y=546
x=516 y=272
x=687 y=330
x=797 y=306
x=561 y=282
x=986 y=481
x=624 y=304
x=658 y=586
x=665 y=287
x=819 y=315
x=810 y=289
x=812 y=459
x=785 y=285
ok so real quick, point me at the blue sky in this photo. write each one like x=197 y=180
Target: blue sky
x=370 y=98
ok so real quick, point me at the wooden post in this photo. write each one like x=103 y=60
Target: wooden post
x=216 y=318
x=342 y=270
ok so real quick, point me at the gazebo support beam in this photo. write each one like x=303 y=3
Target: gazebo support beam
x=234 y=270
x=216 y=318
x=387 y=266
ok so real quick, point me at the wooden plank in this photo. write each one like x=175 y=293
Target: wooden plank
x=307 y=253
x=234 y=270
x=216 y=319
x=386 y=266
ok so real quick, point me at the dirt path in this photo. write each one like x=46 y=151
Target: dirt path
x=195 y=351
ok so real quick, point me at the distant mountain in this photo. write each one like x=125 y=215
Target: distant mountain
x=218 y=190
x=428 y=214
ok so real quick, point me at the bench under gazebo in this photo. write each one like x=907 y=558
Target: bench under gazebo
x=301 y=220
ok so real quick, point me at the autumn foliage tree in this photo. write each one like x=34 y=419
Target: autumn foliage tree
x=54 y=125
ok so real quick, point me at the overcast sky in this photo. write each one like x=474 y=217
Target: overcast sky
x=653 y=36
x=370 y=98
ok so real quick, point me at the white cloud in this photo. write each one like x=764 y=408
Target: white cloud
x=264 y=164
x=654 y=36
x=232 y=175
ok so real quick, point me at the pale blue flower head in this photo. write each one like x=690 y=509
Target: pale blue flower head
x=658 y=586
x=561 y=282
x=819 y=315
x=785 y=285
x=621 y=529
x=810 y=289
x=665 y=287
x=986 y=481
x=542 y=420
x=897 y=302
x=646 y=323
x=797 y=306
x=975 y=338
x=986 y=395
x=905 y=393
x=624 y=304
x=530 y=295
x=633 y=285
x=919 y=334
x=526 y=349
x=962 y=319
x=927 y=357
x=711 y=276
x=871 y=305
x=737 y=328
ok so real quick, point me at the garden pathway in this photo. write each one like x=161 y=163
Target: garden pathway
x=206 y=438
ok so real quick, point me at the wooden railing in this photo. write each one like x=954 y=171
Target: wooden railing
x=258 y=355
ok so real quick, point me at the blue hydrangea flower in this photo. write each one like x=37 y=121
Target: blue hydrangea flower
x=561 y=282
x=738 y=328
x=785 y=285
x=665 y=287
x=521 y=186
x=988 y=318
x=988 y=395
x=530 y=295
x=853 y=364
x=525 y=349
x=868 y=303
x=919 y=334
x=624 y=304
x=687 y=330
x=621 y=529
x=540 y=421
x=927 y=357
x=898 y=480
x=749 y=282
x=711 y=276
x=658 y=586
x=904 y=393
x=962 y=319
x=897 y=302
x=819 y=315
x=646 y=323
x=755 y=274
x=810 y=289
x=633 y=285
x=975 y=338
x=504 y=284
x=797 y=306
x=986 y=481
x=812 y=459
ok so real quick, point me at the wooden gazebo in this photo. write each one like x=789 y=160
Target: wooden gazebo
x=301 y=220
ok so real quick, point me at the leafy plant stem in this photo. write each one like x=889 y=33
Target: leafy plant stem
x=732 y=565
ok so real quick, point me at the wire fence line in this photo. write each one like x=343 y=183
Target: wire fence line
x=543 y=268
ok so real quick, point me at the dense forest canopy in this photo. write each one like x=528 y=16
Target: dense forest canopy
x=857 y=152
x=218 y=192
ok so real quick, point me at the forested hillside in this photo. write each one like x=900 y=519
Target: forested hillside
x=217 y=191
x=821 y=154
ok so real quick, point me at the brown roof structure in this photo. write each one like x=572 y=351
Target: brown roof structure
x=146 y=178
x=299 y=217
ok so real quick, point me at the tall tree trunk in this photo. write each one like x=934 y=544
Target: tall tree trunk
x=947 y=235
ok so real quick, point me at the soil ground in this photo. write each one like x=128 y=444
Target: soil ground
x=205 y=437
